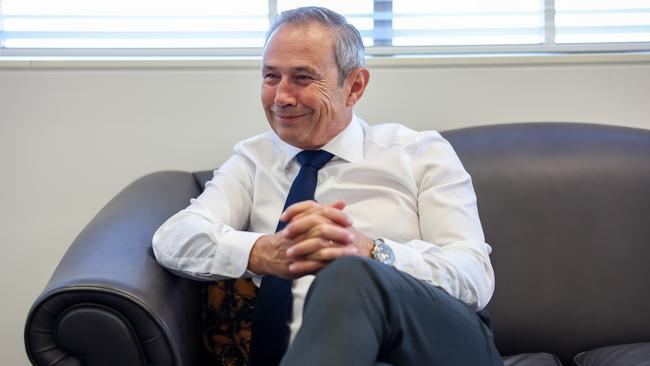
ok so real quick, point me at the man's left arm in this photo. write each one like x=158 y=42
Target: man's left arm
x=452 y=252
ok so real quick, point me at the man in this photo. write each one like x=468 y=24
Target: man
x=391 y=231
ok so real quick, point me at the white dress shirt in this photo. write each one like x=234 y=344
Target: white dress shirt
x=406 y=187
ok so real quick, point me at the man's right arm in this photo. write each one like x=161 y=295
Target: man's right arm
x=206 y=240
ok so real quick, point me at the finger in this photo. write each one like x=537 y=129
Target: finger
x=326 y=232
x=332 y=210
x=309 y=212
x=314 y=227
x=338 y=204
x=312 y=210
x=331 y=253
x=297 y=208
x=307 y=247
x=333 y=214
x=303 y=225
x=302 y=268
x=322 y=215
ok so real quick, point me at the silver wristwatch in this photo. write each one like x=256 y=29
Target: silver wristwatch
x=383 y=253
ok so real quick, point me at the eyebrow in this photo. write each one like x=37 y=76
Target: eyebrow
x=297 y=69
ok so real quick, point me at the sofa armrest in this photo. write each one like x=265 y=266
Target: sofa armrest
x=109 y=302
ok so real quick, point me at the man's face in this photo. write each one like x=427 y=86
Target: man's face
x=301 y=96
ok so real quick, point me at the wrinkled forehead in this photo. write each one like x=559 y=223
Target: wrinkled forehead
x=307 y=37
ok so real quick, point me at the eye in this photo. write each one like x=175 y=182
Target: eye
x=303 y=79
x=270 y=77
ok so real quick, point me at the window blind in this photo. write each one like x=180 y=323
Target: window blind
x=602 y=21
x=467 y=22
x=387 y=26
x=133 y=23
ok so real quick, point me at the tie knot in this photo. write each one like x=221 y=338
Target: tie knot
x=314 y=158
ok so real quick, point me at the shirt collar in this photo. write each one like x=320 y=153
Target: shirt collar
x=347 y=145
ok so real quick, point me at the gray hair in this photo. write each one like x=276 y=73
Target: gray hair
x=349 y=51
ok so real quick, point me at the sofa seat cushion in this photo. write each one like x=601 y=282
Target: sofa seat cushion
x=634 y=354
x=531 y=359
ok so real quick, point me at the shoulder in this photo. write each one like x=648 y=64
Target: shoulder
x=264 y=152
x=394 y=134
x=260 y=144
x=247 y=155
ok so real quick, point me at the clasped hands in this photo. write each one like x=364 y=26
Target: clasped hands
x=315 y=235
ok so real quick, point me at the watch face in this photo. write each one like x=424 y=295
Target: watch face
x=383 y=253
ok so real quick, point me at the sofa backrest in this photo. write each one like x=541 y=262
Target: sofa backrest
x=566 y=208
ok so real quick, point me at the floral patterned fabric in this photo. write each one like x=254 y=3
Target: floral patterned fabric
x=227 y=320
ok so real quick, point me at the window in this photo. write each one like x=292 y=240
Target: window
x=210 y=27
x=133 y=23
x=592 y=21
x=467 y=22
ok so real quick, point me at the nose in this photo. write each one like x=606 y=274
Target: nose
x=284 y=94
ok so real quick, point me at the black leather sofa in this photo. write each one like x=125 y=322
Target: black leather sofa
x=566 y=208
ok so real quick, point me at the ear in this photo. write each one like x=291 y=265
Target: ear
x=356 y=81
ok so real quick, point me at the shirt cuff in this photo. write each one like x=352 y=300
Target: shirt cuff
x=409 y=260
x=236 y=247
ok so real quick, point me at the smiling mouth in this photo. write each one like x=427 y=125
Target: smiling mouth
x=290 y=117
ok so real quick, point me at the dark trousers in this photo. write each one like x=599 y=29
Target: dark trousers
x=361 y=312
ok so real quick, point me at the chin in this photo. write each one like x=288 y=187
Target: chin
x=288 y=136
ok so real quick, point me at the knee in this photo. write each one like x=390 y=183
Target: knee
x=347 y=275
x=351 y=288
x=350 y=268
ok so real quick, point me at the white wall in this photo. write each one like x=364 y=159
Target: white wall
x=72 y=137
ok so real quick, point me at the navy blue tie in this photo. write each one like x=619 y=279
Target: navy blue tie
x=270 y=336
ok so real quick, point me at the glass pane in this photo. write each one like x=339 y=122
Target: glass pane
x=358 y=7
x=466 y=6
x=135 y=7
x=358 y=13
x=467 y=22
x=131 y=43
x=594 y=21
x=134 y=23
